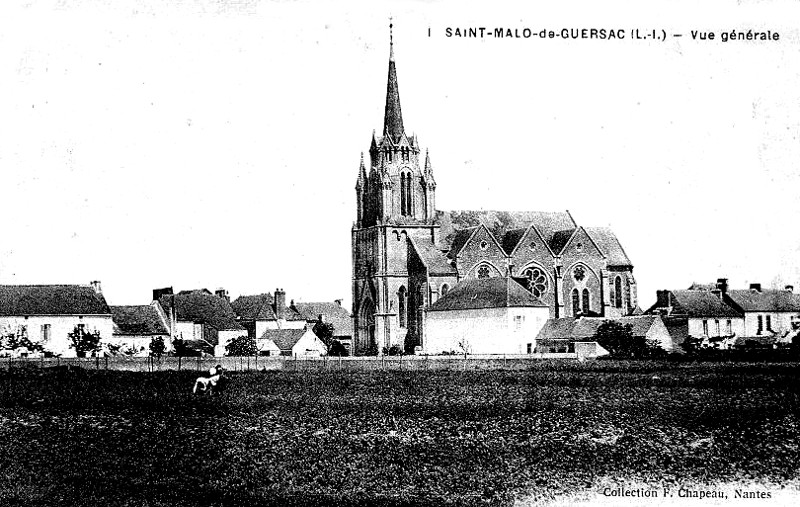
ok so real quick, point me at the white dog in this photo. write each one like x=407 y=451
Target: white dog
x=208 y=384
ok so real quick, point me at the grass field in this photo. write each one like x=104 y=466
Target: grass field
x=391 y=438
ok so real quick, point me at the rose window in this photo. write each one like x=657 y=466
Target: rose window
x=579 y=273
x=483 y=272
x=537 y=281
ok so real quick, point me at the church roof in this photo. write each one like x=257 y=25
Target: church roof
x=433 y=258
x=511 y=238
x=501 y=223
x=608 y=243
x=480 y=293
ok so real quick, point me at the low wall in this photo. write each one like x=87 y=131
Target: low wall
x=471 y=362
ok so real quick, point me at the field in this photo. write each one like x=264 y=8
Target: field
x=78 y=437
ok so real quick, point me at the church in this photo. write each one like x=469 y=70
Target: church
x=407 y=254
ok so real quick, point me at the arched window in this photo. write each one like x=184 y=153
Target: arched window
x=443 y=290
x=618 y=292
x=586 y=301
x=576 y=304
x=628 y=302
x=537 y=281
x=484 y=272
x=403 y=194
x=401 y=306
x=409 y=200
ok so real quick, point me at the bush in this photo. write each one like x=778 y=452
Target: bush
x=84 y=342
x=157 y=346
x=337 y=349
x=619 y=340
x=241 y=346
x=395 y=350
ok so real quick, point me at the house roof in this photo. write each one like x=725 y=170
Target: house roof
x=433 y=258
x=137 y=320
x=201 y=306
x=334 y=313
x=478 y=293
x=608 y=243
x=261 y=307
x=285 y=339
x=17 y=300
x=699 y=304
x=586 y=327
x=769 y=300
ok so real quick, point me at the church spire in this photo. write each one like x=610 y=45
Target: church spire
x=393 y=117
x=362 y=174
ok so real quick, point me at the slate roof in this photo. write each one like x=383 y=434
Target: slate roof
x=700 y=304
x=261 y=307
x=511 y=238
x=433 y=258
x=609 y=245
x=285 y=339
x=458 y=240
x=560 y=239
x=334 y=313
x=137 y=320
x=585 y=328
x=500 y=222
x=19 y=300
x=204 y=307
x=769 y=300
x=479 y=293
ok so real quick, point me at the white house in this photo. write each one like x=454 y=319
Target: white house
x=136 y=326
x=484 y=316
x=47 y=314
x=561 y=335
x=292 y=342
x=768 y=314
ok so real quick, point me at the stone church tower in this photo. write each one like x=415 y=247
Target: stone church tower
x=396 y=200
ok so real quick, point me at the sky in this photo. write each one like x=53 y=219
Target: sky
x=214 y=143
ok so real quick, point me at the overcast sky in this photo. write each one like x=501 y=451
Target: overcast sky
x=212 y=143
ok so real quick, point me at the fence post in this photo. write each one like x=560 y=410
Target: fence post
x=96 y=362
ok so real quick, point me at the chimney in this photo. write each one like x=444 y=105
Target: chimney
x=321 y=317
x=157 y=293
x=339 y=301
x=222 y=293
x=280 y=304
x=96 y=286
x=790 y=288
x=722 y=285
x=756 y=287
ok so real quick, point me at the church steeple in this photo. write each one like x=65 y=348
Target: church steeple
x=393 y=117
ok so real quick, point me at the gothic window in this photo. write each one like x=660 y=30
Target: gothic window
x=484 y=272
x=409 y=200
x=401 y=306
x=579 y=273
x=628 y=303
x=576 y=304
x=585 y=301
x=443 y=290
x=618 y=292
x=403 y=195
x=537 y=281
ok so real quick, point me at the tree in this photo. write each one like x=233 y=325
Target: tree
x=324 y=331
x=241 y=346
x=337 y=349
x=84 y=342
x=619 y=341
x=157 y=346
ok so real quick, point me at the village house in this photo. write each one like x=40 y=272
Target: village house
x=291 y=342
x=261 y=312
x=136 y=326
x=560 y=335
x=47 y=314
x=205 y=321
x=770 y=315
x=484 y=316
x=329 y=312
